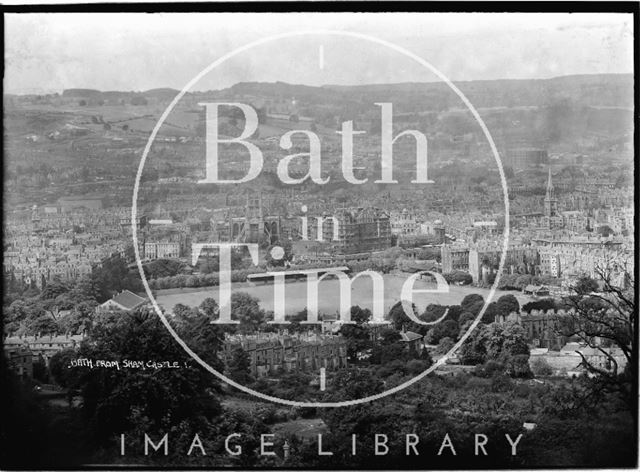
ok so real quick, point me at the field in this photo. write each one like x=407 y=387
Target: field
x=361 y=294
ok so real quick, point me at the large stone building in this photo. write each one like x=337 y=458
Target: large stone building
x=572 y=261
x=549 y=262
x=541 y=328
x=485 y=259
x=361 y=230
x=404 y=222
x=348 y=233
x=271 y=353
x=454 y=257
x=249 y=224
x=168 y=247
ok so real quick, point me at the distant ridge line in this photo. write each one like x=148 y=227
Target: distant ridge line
x=169 y=91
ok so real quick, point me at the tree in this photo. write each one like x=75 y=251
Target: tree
x=522 y=281
x=358 y=339
x=246 y=309
x=80 y=319
x=208 y=265
x=465 y=318
x=444 y=329
x=417 y=366
x=514 y=342
x=60 y=371
x=518 y=366
x=162 y=268
x=183 y=312
x=585 y=285
x=454 y=313
x=541 y=368
x=432 y=312
x=544 y=304
x=44 y=325
x=494 y=341
x=360 y=315
x=210 y=308
x=204 y=338
x=458 y=277
x=398 y=317
x=386 y=353
x=354 y=383
x=608 y=315
x=473 y=351
x=296 y=321
x=508 y=282
x=445 y=345
x=239 y=366
x=123 y=400
x=472 y=303
x=489 y=315
x=605 y=231
x=508 y=304
x=53 y=289
x=113 y=276
x=389 y=336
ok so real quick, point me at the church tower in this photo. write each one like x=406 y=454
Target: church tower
x=254 y=218
x=550 y=200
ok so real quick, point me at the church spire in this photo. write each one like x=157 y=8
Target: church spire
x=550 y=200
x=550 y=190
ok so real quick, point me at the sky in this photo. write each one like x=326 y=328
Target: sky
x=47 y=53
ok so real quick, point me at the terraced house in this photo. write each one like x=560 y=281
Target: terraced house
x=271 y=353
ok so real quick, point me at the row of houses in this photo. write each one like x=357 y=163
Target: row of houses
x=569 y=359
x=271 y=353
x=22 y=352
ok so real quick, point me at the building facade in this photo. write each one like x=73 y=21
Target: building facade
x=248 y=224
x=272 y=353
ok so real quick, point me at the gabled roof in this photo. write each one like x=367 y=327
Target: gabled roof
x=408 y=336
x=128 y=300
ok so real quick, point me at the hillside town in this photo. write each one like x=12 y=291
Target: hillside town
x=280 y=265
x=569 y=225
